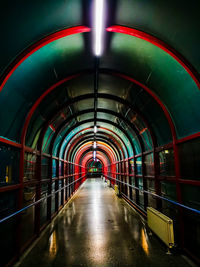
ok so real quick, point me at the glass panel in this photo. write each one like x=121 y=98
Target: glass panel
x=67 y=188
x=141 y=194
x=43 y=205
x=28 y=215
x=9 y=165
x=146 y=139
x=139 y=165
x=133 y=190
x=29 y=166
x=53 y=198
x=61 y=168
x=166 y=159
x=65 y=169
x=64 y=190
x=149 y=165
x=151 y=110
x=191 y=198
x=47 y=140
x=45 y=167
x=54 y=168
x=8 y=205
x=151 y=188
x=60 y=202
x=190 y=159
x=168 y=190
x=71 y=168
x=143 y=130
x=131 y=166
x=192 y=232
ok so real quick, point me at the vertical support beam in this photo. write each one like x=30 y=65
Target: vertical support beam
x=20 y=203
x=64 y=174
x=178 y=190
x=157 y=182
x=120 y=176
x=56 y=187
x=49 y=200
x=38 y=192
x=66 y=181
x=136 y=182
x=130 y=180
x=69 y=178
x=68 y=173
x=72 y=178
x=144 y=182
x=62 y=183
x=116 y=176
x=125 y=176
x=129 y=191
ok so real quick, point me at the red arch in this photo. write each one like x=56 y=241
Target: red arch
x=77 y=139
x=80 y=29
x=36 y=46
x=159 y=43
x=89 y=144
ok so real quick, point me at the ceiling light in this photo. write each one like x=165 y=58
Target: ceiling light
x=95 y=129
x=95 y=144
x=98 y=27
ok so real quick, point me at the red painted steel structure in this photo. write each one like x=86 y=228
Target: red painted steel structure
x=86 y=138
x=101 y=156
x=77 y=139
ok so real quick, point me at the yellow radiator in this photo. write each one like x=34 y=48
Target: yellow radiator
x=161 y=225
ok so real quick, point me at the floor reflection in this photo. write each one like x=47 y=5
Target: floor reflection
x=53 y=247
x=96 y=229
x=144 y=242
x=97 y=237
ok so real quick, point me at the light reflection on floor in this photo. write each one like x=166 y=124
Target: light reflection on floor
x=144 y=242
x=97 y=237
x=96 y=229
x=53 y=247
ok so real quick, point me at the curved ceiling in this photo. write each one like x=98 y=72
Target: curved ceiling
x=143 y=92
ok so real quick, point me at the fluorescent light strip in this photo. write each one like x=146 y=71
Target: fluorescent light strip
x=95 y=144
x=94 y=155
x=98 y=27
x=95 y=129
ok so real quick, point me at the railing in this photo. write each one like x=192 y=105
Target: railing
x=153 y=194
x=110 y=178
x=38 y=201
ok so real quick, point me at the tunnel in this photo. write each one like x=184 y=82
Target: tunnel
x=81 y=111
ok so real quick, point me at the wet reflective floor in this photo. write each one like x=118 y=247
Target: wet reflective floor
x=96 y=228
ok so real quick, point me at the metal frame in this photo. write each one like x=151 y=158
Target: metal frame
x=22 y=148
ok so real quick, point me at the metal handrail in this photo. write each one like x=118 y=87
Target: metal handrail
x=38 y=201
x=155 y=195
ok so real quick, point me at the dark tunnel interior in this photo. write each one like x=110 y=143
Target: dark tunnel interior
x=130 y=115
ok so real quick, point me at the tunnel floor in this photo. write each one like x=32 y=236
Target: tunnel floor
x=96 y=228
